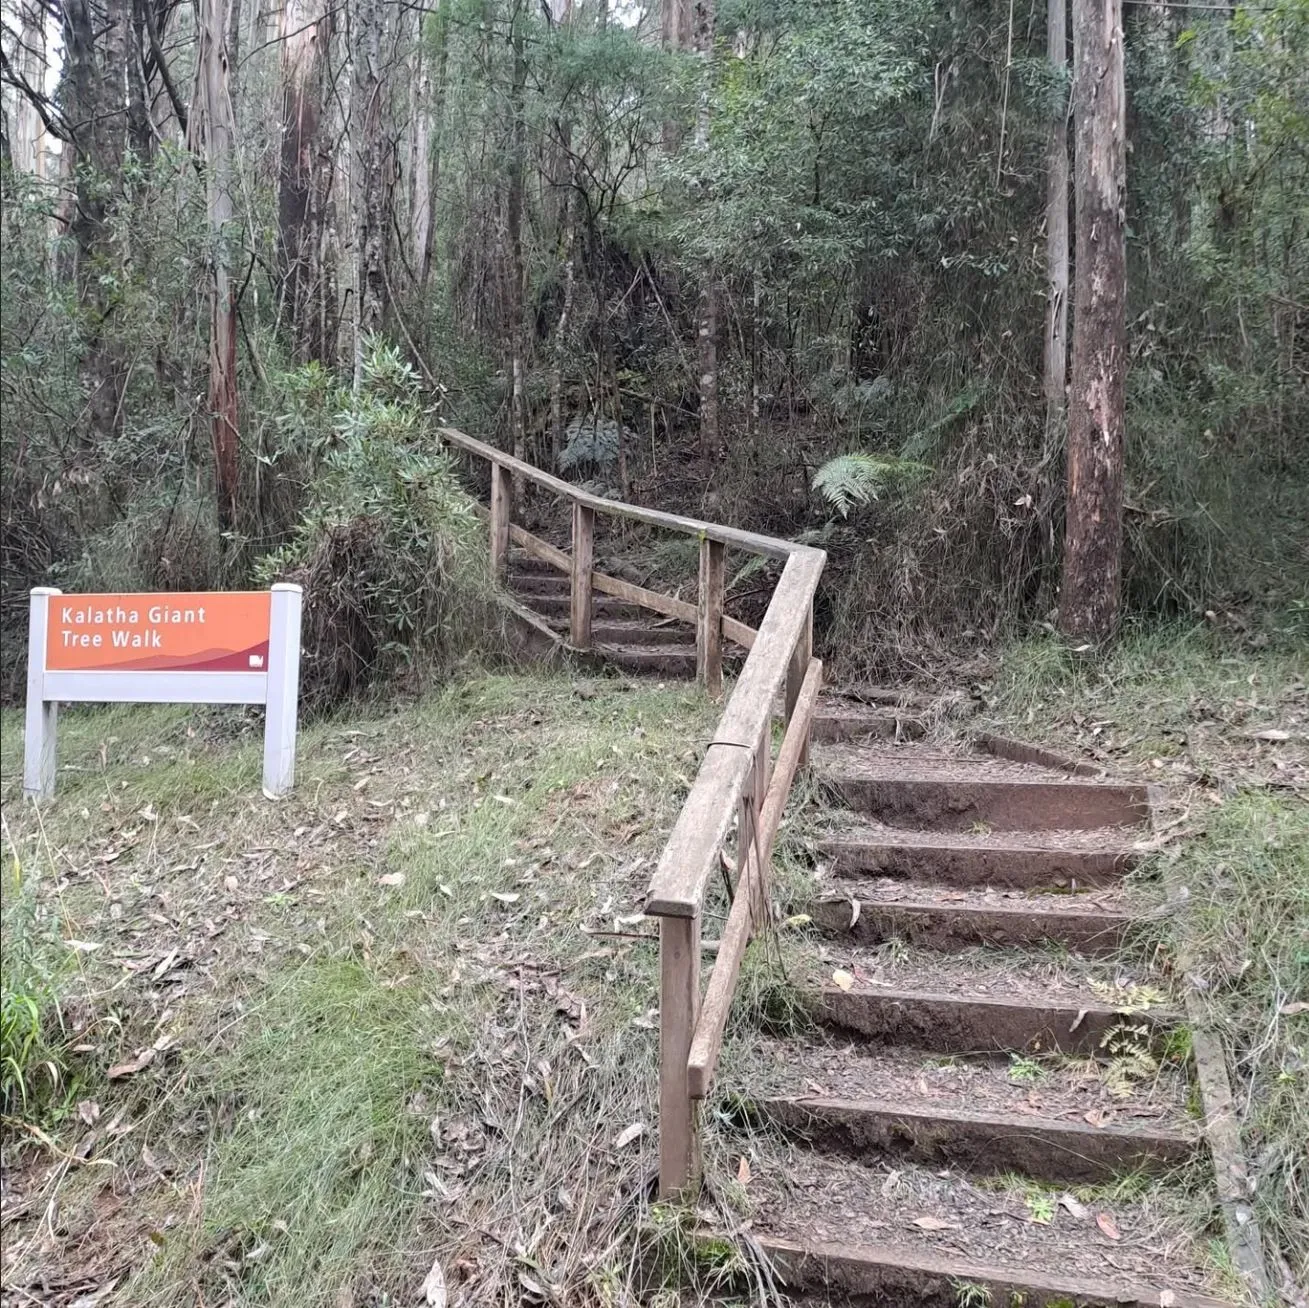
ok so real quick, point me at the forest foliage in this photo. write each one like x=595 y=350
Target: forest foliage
x=550 y=211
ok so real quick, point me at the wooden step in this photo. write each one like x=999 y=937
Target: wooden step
x=833 y=725
x=1031 y=859
x=887 y=1231
x=941 y=917
x=602 y=606
x=642 y=631
x=911 y=786
x=893 y=1275
x=986 y=1001
x=650 y=660
x=529 y=584
x=1063 y=1120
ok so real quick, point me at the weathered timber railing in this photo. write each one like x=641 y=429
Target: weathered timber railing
x=738 y=776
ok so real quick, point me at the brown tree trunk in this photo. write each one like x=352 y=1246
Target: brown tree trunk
x=212 y=126
x=1055 y=364
x=372 y=192
x=1089 y=598
x=514 y=223
x=707 y=318
x=304 y=176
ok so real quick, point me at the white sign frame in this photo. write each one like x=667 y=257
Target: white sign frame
x=277 y=688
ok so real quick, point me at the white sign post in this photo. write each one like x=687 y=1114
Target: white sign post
x=223 y=648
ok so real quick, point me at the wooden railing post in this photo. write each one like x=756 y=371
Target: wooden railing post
x=679 y=1006
x=709 y=620
x=796 y=671
x=583 y=566
x=501 y=499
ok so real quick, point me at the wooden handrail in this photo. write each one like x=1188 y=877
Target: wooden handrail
x=737 y=776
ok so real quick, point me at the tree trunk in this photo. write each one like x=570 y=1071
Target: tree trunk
x=707 y=317
x=1089 y=599
x=1055 y=369
x=514 y=223
x=213 y=127
x=372 y=191
x=304 y=176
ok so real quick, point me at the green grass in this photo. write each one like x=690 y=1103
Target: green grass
x=1192 y=710
x=417 y=1013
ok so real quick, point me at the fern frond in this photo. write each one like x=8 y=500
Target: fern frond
x=855 y=480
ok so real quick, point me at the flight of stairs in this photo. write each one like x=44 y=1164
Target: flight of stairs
x=991 y=1101
x=623 y=635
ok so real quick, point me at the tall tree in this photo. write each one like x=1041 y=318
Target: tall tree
x=1093 y=535
x=1055 y=369
x=703 y=23
x=371 y=163
x=213 y=129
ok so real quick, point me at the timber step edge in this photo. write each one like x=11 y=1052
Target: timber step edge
x=952 y=1023
x=1049 y=1149
x=926 y=919
x=962 y=859
x=886 y=1274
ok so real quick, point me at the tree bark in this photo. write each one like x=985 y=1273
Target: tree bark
x=372 y=192
x=304 y=177
x=212 y=123
x=1055 y=364
x=1089 y=599
x=707 y=317
x=514 y=223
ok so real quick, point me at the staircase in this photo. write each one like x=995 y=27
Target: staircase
x=985 y=1110
x=623 y=635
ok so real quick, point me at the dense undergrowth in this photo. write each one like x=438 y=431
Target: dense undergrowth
x=1226 y=734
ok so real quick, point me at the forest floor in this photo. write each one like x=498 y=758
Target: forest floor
x=310 y=1047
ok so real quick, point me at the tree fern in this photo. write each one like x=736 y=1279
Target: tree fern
x=854 y=480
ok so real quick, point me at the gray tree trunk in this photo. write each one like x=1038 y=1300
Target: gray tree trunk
x=1055 y=369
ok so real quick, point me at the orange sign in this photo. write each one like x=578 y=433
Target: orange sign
x=221 y=631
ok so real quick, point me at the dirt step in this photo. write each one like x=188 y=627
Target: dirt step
x=520 y=561
x=855 y=722
x=647 y=631
x=989 y=1001
x=538 y=583
x=661 y=660
x=602 y=606
x=1033 y=859
x=898 y=1234
x=912 y=786
x=933 y=916
x=1055 y=1119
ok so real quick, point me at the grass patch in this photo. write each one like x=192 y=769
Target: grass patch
x=403 y=1015
x=1225 y=729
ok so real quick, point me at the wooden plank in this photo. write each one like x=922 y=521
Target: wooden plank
x=669 y=605
x=752 y=542
x=797 y=670
x=582 y=570
x=739 y=633
x=790 y=755
x=540 y=549
x=679 y=998
x=501 y=500
x=709 y=617
x=708 y=1041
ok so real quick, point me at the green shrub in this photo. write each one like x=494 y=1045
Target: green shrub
x=390 y=553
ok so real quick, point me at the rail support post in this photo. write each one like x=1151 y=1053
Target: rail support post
x=501 y=500
x=709 y=618
x=679 y=1004
x=583 y=567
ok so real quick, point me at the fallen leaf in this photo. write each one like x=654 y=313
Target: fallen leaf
x=1097 y=1117
x=856 y=907
x=1108 y=1226
x=628 y=1134
x=137 y=1064
x=935 y=1224
x=83 y=946
x=231 y=884
x=434 y=1287
x=1167 y=1299
x=505 y=897
x=798 y=920
x=89 y=1111
x=842 y=979
x=743 y=1170
x=392 y=879
x=1290 y=1010
x=1078 y=1210
x=1272 y=735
